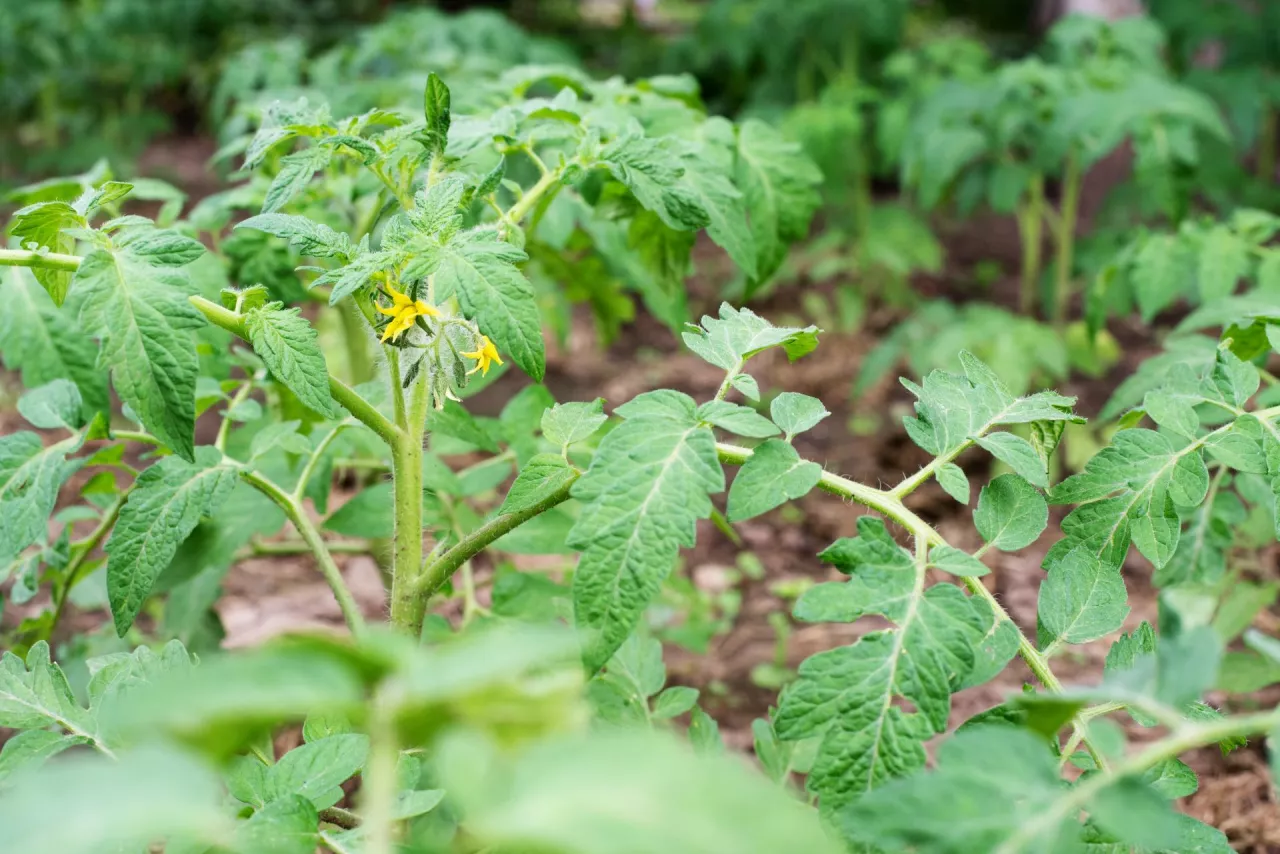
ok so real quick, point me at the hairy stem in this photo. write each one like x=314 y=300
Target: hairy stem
x=1184 y=738
x=408 y=604
x=29 y=258
x=224 y=429
x=1030 y=227
x=80 y=552
x=1066 y=238
x=378 y=790
x=438 y=571
x=311 y=536
x=521 y=209
x=356 y=335
x=309 y=469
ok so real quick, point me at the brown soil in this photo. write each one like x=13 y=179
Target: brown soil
x=268 y=596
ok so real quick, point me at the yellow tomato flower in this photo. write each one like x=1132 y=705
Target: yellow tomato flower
x=404 y=311
x=485 y=355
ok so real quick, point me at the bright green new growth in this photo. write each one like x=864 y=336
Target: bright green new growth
x=436 y=259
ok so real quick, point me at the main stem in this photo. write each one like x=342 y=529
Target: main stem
x=408 y=601
x=1066 y=238
x=1031 y=228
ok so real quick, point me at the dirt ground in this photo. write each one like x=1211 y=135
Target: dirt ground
x=267 y=596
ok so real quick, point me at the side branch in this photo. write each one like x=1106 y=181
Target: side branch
x=29 y=258
x=440 y=570
x=311 y=536
x=890 y=506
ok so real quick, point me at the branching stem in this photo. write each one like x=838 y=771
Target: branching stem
x=311 y=536
x=891 y=506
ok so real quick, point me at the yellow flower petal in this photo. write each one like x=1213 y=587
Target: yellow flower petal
x=485 y=355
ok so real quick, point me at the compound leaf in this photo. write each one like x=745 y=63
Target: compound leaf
x=45 y=344
x=647 y=487
x=779 y=186
x=290 y=348
x=141 y=314
x=739 y=333
x=30 y=477
x=846 y=696
x=482 y=271
x=165 y=505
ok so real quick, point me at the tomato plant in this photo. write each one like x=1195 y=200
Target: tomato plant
x=542 y=720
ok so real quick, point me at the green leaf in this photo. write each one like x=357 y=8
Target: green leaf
x=456 y=422
x=316 y=770
x=650 y=169
x=1083 y=599
x=742 y=420
x=541 y=476
x=953 y=481
x=482 y=271
x=1129 y=492
x=36 y=695
x=142 y=316
x=228 y=700
x=796 y=413
x=290 y=348
x=746 y=386
x=30 y=477
x=1019 y=454
x=771 y=476
x=42 y=226
x=312 y=239
x=120 y=805
x=957 y=562
x=847 y=696
x=647 y=486
x=779 y=186
x=674 y=799
x=674 y=702
x=953 y=409
x=161 y=247
x=296 y=172
x=704 y=733
x=436 y=108
x=710 y=181
x=567 y=424
x=738 y=334
x=1011 y=513
x=1224 y=259
x=27 y=751
x=44 y=344
x=366 y=514
x=53 y=405
x=1020 y=808
x=285 y=826
x=164 y=507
